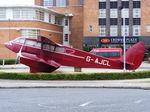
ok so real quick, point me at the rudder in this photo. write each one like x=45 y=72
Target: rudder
x=134 y=56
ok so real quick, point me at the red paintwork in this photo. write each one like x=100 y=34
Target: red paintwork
x=41 y=60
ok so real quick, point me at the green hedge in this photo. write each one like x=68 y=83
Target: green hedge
x=8 y=61
x=75 y=76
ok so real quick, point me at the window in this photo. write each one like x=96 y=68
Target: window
x=136 y=21
x=102 y=30
x=29 y=33
x=66 y=38
x=48 y=3
x=19 y=40
x=136 y=4
x=23 y=13
x=108 y=54
x=58 y=20
x=91 y=28
x=61 y=3
x=136 y=30
x=59 y=49
x=126 y=21
x=30 y=43
x=113 y=21
x=2 y=13
x=81 y=2
x=148 y=28
x=102 y=5
x=125 y=13
x=125 y=4
x=113 y=31
x=136 y=13
x=125 y=31
x=113 y=13
x=113 y=5
x=102 y=21
x=50 y=19
x=102 y=13
x=39 y=15
x=48 y=47
x=66 y=22
x=38 y=45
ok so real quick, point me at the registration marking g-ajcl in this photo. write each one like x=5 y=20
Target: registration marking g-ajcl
x=98 y=61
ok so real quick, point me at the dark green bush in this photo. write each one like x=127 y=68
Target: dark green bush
x=8 y=61
x=75 y=76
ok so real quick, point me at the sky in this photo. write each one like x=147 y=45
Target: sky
x=16 y=2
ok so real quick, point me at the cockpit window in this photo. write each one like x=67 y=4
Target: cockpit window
x=20 y=40
x=46 y=46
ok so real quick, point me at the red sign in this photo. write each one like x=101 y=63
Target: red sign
x=105 y=40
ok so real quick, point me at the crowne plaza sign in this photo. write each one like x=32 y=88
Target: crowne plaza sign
x=118 y=40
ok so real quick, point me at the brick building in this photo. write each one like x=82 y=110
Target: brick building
x=77 y=23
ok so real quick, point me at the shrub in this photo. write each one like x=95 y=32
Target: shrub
x=7 y=61
x=75 y=76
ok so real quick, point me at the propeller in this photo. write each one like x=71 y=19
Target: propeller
x=19 y=53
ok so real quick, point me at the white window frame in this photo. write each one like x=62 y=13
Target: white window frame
x=113 y=13
x=136 y=30
x=136 y=12
x=148 y=28
x=125 y=13
x=23 y=13
x=102 y=30
x=48 y=3
x=125 y=31
x=113 y=30
x=2 y=13
x=60 y=3
x=29 y=33
x=102 y=13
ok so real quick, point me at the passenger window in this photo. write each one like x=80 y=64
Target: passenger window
x=38 y=45
x=52 y=48
x=30 y=43
x=59 y=49
x=46 y=47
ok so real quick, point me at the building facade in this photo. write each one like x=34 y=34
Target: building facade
x=77 y=23
x=102 y=23
x=28 y=21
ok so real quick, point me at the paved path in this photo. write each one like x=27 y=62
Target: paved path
x=133 y=84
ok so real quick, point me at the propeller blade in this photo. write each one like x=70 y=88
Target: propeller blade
x=19 y=53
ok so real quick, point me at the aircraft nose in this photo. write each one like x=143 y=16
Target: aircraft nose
x=8 y=45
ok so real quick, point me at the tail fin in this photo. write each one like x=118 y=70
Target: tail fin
x=134 y=56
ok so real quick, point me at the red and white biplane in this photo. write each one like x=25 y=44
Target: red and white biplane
x=44 y=55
